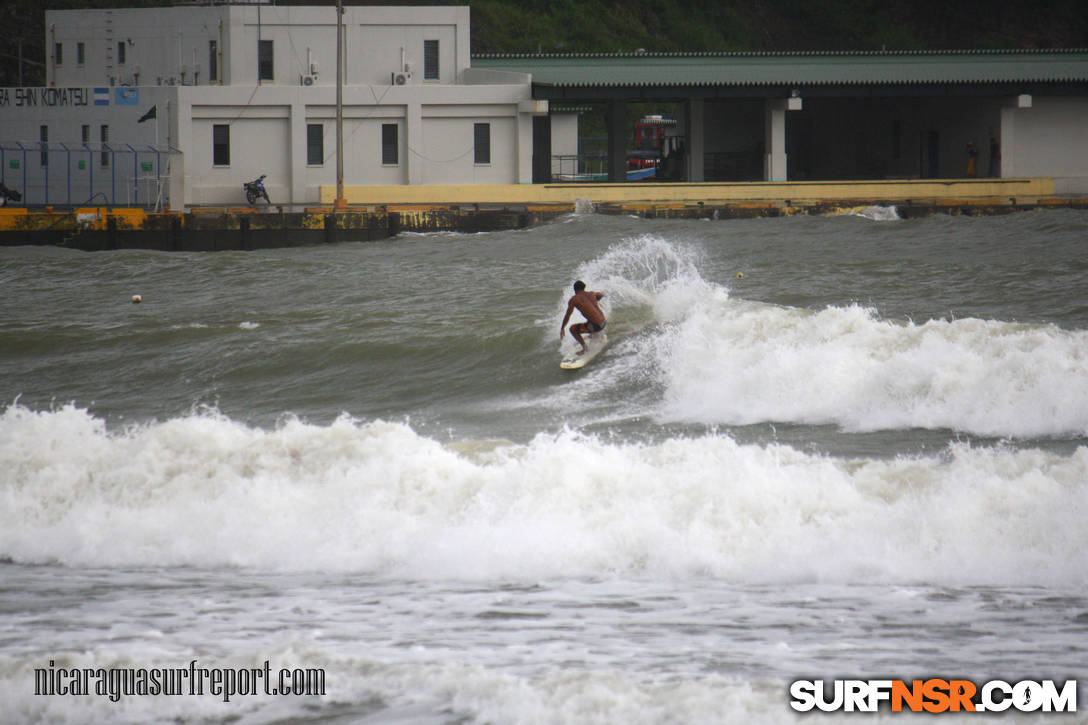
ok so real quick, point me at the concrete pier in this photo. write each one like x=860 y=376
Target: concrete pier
x=379 y=212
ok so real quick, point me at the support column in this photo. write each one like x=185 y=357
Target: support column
x=528 y=112
x=179 y=134
x=1007 y=134
x=524 y=148
x=297 y=153
x=413 y=128
x=774 y=140
x=696 y=144
x=617 y=141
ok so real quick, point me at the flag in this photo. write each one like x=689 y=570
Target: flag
x=149 y=115
x=126 y=96
x=101 y=96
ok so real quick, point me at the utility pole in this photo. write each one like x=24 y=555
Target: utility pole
x=340 y=204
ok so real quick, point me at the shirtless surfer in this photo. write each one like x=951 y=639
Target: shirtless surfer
x=586 y=303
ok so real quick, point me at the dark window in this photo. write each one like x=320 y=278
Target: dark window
x=390 y=146
x=86 y=133
x=44 y=134
x=221 y=145
x=315 y=144
x=104 y=137
x=58 y=53
x=430 y=60
x=482 y=142
x=121 y=52
x=264 y=60
x=213 y=61
x=81 y=53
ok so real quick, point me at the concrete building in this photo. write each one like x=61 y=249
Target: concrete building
x=181 y=105
x=839 y=115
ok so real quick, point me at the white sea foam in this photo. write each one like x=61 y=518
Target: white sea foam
x=207 y=491
x=739 y=363
x=879 y=213
x=729 y=361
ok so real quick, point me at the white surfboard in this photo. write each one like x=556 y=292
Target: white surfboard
x=594 y=344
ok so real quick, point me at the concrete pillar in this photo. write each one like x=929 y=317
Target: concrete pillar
x=527 y=111
x=179 y=135
x=297 y=152
x=774 y=140
x=525 y=148
x=617 y=141
x=1007 y=134
x=695 y=139
x=413 y=132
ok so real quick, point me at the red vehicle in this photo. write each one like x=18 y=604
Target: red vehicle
x=651 y=143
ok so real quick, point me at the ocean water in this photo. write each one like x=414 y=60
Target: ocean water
x=815 y=448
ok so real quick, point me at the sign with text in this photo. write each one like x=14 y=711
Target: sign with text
x=43 y=97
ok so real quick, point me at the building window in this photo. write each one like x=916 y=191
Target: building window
x=430 y=60
x=213 y=61
x=390 y=144
x=264 y=60
x=315 y=144
x=58 y=53
x=482 y=142
x=81 y=53
x=120 y=52
x=221 y=145
x=86 y=133
x=44 y=135
x=104 y=137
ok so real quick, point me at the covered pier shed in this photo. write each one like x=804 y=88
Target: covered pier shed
x=771 y=116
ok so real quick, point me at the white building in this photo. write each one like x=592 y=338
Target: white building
x=230 y=92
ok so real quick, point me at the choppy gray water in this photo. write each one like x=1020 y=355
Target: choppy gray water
x=815 y=447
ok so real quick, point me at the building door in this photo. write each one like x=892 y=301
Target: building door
x=542 y=149
x=929 y=151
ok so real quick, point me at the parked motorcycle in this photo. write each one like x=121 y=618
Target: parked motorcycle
x=255 y=190
x=7 y=195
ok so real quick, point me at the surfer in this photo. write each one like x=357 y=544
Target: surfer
x=586 y=303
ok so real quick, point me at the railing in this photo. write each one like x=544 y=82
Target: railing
x=70 y=174
x=580 y=167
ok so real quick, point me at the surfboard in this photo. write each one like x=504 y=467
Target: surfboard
x=594 y=344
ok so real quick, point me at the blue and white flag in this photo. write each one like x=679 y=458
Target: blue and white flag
x=126 y=96
x=101 y=96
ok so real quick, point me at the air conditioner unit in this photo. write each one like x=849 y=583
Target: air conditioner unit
x=401 y=79
x=306 y=80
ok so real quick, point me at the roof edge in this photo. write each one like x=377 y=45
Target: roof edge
x=779 y=53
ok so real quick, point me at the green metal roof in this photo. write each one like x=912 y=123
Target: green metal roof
x=786 y=69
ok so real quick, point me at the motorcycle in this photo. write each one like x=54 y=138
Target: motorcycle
x=7 y=195
x=255 y=190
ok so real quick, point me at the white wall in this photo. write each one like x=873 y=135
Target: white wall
x=564 y=142
x=160 y=44
x=172 y=44
x=1049 y=139
x=447 y=148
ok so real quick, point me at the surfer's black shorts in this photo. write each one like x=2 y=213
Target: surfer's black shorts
x=592 y=327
